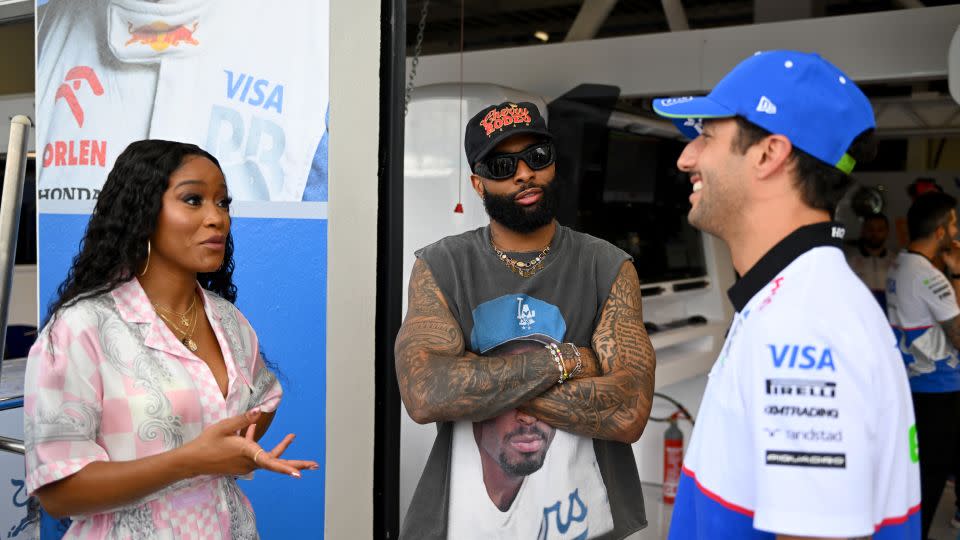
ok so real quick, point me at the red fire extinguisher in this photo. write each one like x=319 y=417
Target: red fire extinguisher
x=672 y=460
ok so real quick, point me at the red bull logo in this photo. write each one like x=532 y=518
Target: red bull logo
x=159 y=35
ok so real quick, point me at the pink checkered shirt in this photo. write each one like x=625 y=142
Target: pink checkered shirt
x=108 y=381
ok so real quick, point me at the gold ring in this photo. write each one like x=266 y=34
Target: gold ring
x=255 y=456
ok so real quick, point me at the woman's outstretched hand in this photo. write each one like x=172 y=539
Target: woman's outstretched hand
x=221 y=450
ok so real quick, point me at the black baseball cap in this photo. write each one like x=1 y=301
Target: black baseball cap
x=497 y=122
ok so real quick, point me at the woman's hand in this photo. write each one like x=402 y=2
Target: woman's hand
x=221 y=450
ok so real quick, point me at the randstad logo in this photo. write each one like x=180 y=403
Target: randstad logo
x=801 y=357
x=670 y=102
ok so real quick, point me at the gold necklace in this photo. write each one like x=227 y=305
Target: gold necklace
x=184 y=321
x=185 y=336
x=522 y=269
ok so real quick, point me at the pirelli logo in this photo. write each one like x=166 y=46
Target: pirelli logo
x=806 y=459
x=801 y=387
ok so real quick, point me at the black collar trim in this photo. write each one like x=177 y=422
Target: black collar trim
x=785 y=252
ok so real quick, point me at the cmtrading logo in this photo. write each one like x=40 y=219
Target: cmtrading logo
x=808 y=412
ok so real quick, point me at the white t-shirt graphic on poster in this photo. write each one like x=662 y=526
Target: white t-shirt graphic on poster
x=513 y=477
x=222 y=75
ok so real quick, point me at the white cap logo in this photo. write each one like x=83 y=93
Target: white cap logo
x=695 y=123
x=766 y=106
x=669 y=102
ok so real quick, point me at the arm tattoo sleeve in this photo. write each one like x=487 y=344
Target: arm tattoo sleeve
x=440 y=381
x=616 y=404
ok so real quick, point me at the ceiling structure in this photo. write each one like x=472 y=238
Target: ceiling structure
x=490 y=24
x=902 y=110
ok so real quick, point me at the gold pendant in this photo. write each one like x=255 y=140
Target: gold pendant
x=190 y=344
x=184 y=322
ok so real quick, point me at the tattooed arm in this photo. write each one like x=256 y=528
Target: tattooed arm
x=440 y=381
x=615 y=404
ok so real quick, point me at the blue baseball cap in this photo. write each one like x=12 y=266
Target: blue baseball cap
x=795 y=94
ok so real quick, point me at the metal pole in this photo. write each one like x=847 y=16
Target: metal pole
x=676 y=16
x=13 y=446
x=10 y=214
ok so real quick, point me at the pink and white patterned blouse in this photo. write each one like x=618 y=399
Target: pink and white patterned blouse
x=108 y=381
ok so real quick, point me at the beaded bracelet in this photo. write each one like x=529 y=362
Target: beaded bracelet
x=558 y=358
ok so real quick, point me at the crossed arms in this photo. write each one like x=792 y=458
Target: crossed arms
x=440 y=381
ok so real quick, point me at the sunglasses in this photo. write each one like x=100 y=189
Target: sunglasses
x=503 y=166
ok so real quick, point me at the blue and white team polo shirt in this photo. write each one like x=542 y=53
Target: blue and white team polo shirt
x=919 y=298
x=806 y=426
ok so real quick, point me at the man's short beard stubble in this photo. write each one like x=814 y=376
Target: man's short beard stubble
x=504 y=208
x=717 y=211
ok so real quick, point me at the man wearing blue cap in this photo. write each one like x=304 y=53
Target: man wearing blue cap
x=806 y=427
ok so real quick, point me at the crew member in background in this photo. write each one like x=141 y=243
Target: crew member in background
x=805 y=427
x=870 y=259
x=923 y=310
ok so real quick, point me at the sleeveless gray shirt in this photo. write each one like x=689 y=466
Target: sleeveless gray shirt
x=585 y=488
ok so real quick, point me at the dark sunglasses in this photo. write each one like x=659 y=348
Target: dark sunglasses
x=503 y=166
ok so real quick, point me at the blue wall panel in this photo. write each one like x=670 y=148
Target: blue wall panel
x=282 y=280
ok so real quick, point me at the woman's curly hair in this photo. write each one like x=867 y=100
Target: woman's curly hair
x=114 y=245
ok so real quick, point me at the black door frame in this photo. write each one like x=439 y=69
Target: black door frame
x=386 y=476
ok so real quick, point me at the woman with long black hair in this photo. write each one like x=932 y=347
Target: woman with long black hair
x=146 y=390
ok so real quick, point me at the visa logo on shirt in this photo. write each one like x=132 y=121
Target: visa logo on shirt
x=801 y=357
x=239 y=86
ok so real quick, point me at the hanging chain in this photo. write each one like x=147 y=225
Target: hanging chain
x=416 y=54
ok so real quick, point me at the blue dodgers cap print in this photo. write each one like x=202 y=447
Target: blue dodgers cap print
x=515 y=317
x=795 y=94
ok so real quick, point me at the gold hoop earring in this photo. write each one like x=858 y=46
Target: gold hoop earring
x=148 y=260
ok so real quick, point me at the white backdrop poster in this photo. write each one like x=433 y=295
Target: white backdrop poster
x=244 y=79
x=248 y=81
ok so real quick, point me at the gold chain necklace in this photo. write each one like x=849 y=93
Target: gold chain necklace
x=185 y=336
x=522 y=269
x=184 y=321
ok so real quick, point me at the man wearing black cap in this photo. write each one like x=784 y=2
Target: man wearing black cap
x=806 y=427
x=525 y=277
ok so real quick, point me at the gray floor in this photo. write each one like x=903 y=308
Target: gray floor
x=658 y=515
x=941 y=529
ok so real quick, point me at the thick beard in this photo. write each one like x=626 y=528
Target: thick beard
x=523 y=219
